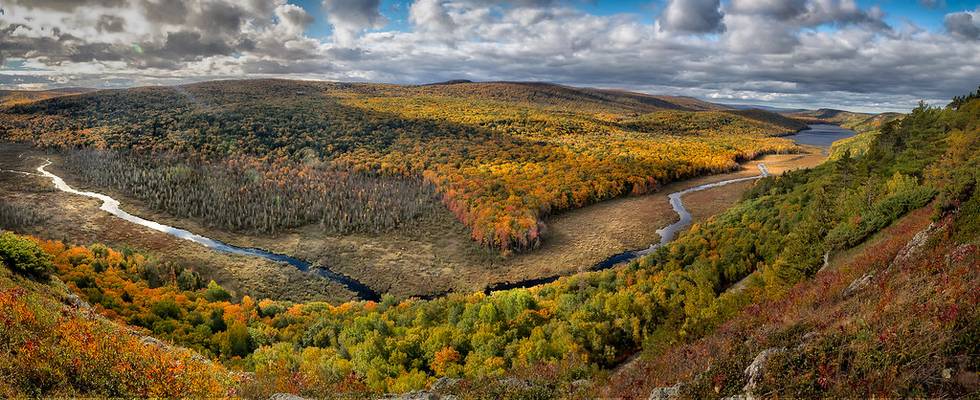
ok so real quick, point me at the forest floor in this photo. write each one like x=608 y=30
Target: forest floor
x=432 y=257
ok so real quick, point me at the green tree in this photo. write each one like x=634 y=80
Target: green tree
x=238 y=342
x=216 y=293
x=24 y=256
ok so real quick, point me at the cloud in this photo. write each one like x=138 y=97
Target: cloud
x=350 y=17
x=779 y=9
x=793 y=52
x=431 y=15
x=810 y=13
x=165 y=11
x=110 y=23
x=964 y=25
x=293 y=18
x=68 y=5
x=692 y=16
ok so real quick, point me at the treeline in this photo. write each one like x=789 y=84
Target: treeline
x=249 y=195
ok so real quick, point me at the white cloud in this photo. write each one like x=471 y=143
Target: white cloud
x=769 y=51
x=351 y=17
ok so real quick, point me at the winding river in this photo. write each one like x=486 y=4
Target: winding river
x=819 y=135
x=666 y=233
x=111 y=206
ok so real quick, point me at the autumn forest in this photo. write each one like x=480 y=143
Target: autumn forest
x=813 y=269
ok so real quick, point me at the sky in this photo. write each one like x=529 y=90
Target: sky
x=861 y=55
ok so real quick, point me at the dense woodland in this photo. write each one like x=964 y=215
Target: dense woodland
x=500 y=163
x=246 y=195
x=556 y=334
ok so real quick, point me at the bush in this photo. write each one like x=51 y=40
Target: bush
x=166 y=309
x=24 y=256
x=216 y=293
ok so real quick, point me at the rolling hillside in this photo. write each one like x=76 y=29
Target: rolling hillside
x=501 y=156
x=857 y=276
x=14 y=97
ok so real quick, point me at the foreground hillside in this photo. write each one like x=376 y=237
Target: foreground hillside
x=820 y=272
x=54 y=344
x=500 y=163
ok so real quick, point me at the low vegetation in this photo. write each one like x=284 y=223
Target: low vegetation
x=51 y=348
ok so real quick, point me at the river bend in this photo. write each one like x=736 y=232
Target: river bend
x=111 y=206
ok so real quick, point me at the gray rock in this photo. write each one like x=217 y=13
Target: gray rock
x=285 y=396
x=665 y=393
x=415 y=395
x=858 y=284
x=914 y=245
x=755 y=369
x=515 y=383
x=73 y=300
x=152 y=341
x=444 y=384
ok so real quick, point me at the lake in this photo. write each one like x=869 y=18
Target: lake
x=821 y=135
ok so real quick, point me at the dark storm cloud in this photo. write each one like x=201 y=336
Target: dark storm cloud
x=779 y=9
x=692 y=16
x=68 y=5
x=110 y=23
x=963 y=25
x=189 y=44
x=165 y=11
x=220 y=18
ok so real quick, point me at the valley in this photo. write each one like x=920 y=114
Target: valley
x=782 y=227
x=406 y=266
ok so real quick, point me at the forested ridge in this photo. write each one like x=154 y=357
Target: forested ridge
x=552 y=336
x=501 y=163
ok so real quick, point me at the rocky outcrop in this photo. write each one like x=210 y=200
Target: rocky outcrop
x=285 y=396
x=858 y=284
x=912 y=248
x=755 y=370
x=666 y=393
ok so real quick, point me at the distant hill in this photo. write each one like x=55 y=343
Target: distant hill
x=764 y=108
x=13 y=97
x=550 y=94
x=848 y=119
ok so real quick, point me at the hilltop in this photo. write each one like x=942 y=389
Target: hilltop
x=14 y=97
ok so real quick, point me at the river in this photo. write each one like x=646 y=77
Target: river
x=111 y=206
x=818 y=135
